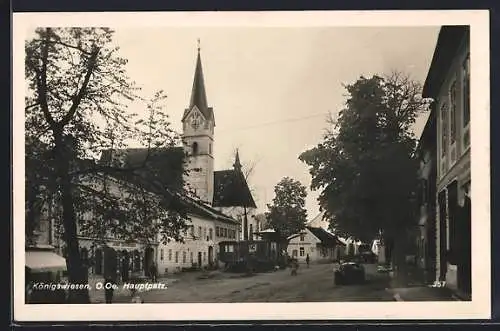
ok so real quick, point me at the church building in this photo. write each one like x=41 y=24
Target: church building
x=224 y=203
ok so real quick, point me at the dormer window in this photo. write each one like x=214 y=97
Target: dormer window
x=195 y=148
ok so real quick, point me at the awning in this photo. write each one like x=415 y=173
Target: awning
x=40 y=261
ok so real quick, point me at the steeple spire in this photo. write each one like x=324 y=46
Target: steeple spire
x=198 y=94
x=237 y=163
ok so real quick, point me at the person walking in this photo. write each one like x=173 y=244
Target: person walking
x=110 y=273
x=307 y=260
x=153 y=272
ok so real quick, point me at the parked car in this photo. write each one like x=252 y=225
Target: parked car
x=349 y=273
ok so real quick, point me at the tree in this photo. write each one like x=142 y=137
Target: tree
x=287 y=214
x=365 y=167
x=76 y=108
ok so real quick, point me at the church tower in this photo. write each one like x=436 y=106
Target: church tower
x=198 y=123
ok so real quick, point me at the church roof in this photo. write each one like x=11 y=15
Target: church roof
x=198 y=93
x=231 y=190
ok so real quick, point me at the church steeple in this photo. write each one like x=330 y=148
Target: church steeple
x=237 y=163
x=198 y=137
x=198 y=93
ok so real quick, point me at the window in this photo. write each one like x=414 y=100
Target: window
x=192 y=231
x=444 y=129
x=176 y=257
x=204 y=256
x=199 y=231
x=302 y=237
x=195 y=148
x=294 y=253
x=251 y=231
x=210 y=233
x=225 y=233
x=184 y=257
x=466 y=90
x=170 y=255
x=302 y=251
x=466 y=102
x=204 y=233
x=217 y=231
x=191 y=257
x=453 y=112
x=161 y=254
x=210 y=148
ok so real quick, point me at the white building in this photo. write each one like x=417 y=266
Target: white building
x=317 y=243
x=448 y=83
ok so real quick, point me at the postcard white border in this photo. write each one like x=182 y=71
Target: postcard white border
x=479 y=307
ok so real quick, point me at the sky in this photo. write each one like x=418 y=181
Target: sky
x=271 y=88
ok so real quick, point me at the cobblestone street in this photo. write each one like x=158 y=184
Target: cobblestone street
x=314 y=284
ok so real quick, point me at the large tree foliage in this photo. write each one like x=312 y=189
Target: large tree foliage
x=76 y=108
x=365 y=167
x=287 y=214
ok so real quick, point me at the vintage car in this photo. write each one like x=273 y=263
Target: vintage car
x=349 y=273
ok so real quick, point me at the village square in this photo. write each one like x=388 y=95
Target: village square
x=164 y=210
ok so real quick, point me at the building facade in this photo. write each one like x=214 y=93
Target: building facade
x=426 y=214
x=316 y=243
x=448 y=83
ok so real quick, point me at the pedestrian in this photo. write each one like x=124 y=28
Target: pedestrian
x=110 y=273
x=153 y=272
x=307 y=260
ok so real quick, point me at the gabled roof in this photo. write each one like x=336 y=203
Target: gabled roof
x=199 y=208
x=324 y=236
x=198 y=93
x=231 y=190
x=327 y=239
x=162 y=165
x=162 y=174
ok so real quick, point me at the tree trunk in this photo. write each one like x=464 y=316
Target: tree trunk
x=77 y=274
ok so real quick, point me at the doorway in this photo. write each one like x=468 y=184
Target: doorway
x=211 y=255
x=148 y=259
x=464 y=281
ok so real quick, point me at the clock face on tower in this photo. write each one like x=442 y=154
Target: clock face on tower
x=196 y=121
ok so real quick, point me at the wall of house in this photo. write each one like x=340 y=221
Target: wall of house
x=199 y=241
x=426 y=166
x=238 y=214
x=453 y=152
x=301 y=245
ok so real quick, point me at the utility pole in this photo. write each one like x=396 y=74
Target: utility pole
x=245 y=223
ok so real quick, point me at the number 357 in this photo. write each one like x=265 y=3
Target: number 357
x=439 y=283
